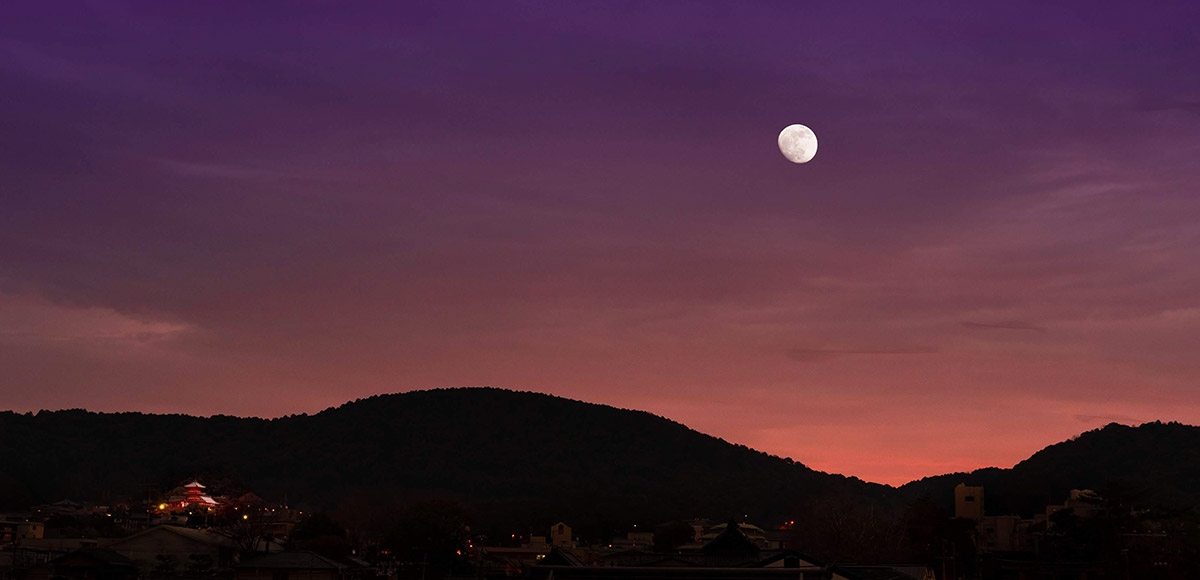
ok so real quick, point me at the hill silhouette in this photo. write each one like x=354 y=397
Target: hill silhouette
x=1152 y=465
x=509 y=455
x=519 y=457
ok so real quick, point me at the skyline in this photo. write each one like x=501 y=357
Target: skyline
x=353 y=402
x=229 y=209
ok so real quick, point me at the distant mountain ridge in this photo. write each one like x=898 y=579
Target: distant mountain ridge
x=520 y=456
x=1151 y=464
x=508 y=454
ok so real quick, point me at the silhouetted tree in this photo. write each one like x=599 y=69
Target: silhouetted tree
x=925 y=525
x=840 y=527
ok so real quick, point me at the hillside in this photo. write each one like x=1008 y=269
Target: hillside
x=1154 y=464
x=523 y=457
x=509 y=455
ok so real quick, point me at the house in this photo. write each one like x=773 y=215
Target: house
x=881 y=573
x=789 y=559
x=15 y=530
x=93 y=564
x=513 y=558
x=291 y=565
x=64 y=507
x=730 y=547
x=968 y=501
x=730 y=555
x=646 y=558
x=539 y=572
x=164 y=546
x=755 y=533
x=1084 y=503
x=31 y=557
x=560 y=535
x=1001 y=534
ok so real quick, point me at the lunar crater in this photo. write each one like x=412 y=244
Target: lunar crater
x=798 y=143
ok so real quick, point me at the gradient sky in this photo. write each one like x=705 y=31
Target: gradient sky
x=272 y=208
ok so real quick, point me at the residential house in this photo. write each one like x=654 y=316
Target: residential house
x=162 y=547
x=291 y=565
x=93 y=564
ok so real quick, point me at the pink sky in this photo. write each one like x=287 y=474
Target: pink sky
x=217 y=210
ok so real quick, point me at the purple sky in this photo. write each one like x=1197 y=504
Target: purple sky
x=271 y=208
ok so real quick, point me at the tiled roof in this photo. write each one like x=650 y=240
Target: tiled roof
x=202 y=536
x=871 y=573
x=106 y=556
x=294 y=559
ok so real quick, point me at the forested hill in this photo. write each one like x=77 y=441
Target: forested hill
x=526 y=457
x=1155 y=464
x=505 y=454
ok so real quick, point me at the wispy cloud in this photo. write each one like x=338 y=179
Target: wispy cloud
x=74 y=69
x=811 y=354
x=1170 y=105
x=32 y=319
x=219 y=170
x=1004 y=325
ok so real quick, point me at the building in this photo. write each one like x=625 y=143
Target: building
x=185 y=547
x=194 y=496
x=16 y=530
x=64 y=507
x=675 y=573
x=513 y=558
x=291 y=565
x=730 y=547
x=882 y=573
x=727 y=557
x=789 y=559
x=635 y=540
x=1083 y=503
x=1001 y=534
x=93 y=564
x=560 y=536
x=968 y=502
x=755 y=533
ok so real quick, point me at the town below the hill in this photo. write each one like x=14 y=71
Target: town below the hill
x=192 y=532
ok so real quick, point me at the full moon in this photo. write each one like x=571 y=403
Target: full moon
x=798 y=143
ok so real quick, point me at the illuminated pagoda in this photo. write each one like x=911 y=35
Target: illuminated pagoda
x=193 y=496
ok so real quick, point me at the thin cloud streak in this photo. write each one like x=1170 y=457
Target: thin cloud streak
x=810 y=354
x=1009 y=325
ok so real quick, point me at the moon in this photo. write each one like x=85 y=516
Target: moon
x=798 y=143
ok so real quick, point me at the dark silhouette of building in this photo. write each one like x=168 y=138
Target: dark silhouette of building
x=291 y=565
x=93 y=564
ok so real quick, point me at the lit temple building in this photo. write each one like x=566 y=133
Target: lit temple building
x=193 y=496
